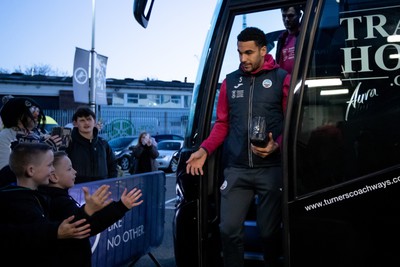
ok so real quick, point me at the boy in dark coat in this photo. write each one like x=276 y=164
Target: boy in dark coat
x=27 y=236
x=91 y=155
x=100 y=214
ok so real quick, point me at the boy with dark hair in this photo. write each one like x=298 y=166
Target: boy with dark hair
x=24 y=224
x=91 y=155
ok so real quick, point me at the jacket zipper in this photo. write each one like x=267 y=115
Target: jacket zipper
x=249 y=119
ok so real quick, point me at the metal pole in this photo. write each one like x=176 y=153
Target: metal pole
x=92 y=92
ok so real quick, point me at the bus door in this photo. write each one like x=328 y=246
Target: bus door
x=196 y=221
x=341 y=147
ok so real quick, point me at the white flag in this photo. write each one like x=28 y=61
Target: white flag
x=101 y=93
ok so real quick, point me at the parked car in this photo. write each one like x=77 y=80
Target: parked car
x=166 y=149
x=120 y=146
x=175 y=160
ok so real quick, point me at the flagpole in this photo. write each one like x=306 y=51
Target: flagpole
x=92 y=91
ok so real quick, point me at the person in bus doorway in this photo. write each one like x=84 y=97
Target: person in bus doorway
x=286 y=47
x=145 y=153
x=91 y=155
x=258 y=88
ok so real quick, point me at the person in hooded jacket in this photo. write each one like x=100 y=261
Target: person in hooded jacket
x=20 y=117
x=258 y=88
x=91 y=155
x=62 y=205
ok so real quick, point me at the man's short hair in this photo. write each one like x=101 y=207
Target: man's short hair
x=24 y=154
x=298 y=9
x=252 y=34
x=83 y=111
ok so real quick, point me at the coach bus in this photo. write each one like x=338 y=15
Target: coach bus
x=341 y=145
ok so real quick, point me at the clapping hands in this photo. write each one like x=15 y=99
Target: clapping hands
x=98 y=200
x=130 y=199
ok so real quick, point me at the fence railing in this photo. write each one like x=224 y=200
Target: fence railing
x=119 y=121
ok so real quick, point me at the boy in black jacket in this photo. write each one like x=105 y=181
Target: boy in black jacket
x=27 y=235
x=91 y=155
x=99 y=217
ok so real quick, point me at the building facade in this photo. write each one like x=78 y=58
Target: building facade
x=132 y=106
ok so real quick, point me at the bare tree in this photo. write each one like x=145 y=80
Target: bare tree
x=36 y=69
x=4 y=71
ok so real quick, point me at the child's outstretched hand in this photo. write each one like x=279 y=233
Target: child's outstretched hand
x=130 y=199
x=69 y=229
x=98 y=200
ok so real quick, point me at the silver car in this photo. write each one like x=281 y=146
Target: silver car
x=166 y=150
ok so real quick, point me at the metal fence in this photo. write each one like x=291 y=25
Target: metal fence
x=121 y=121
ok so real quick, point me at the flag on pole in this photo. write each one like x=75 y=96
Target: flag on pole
x=80 y=83
x=101 y=66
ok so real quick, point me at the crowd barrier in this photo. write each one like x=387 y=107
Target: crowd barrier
x=140 y=230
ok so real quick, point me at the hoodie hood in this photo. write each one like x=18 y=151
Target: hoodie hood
x=77 y=137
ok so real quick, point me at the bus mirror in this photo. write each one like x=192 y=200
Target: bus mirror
x=142 y=10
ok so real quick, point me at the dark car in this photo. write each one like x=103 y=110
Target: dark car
x=120 y=146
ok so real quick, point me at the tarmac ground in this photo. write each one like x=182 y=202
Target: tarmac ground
x=163 y=256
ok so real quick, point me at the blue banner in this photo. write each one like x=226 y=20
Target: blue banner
x=141 y=229
x=80 y=81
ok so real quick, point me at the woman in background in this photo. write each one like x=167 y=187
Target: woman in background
x=145 y=153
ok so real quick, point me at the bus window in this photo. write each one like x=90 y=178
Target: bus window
x=268 y=21
x=262 y=20
x=349 y=123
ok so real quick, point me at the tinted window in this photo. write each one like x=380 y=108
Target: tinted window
x=350 y=113
x=165 y=145
x=270 y=21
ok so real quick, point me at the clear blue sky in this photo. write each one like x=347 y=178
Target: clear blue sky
x=47 y=31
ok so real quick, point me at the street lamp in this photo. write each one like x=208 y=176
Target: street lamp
x=92 y=91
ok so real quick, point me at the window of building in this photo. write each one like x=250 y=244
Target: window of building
x=132 y=98
x=176 y=99
x=118 y=99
